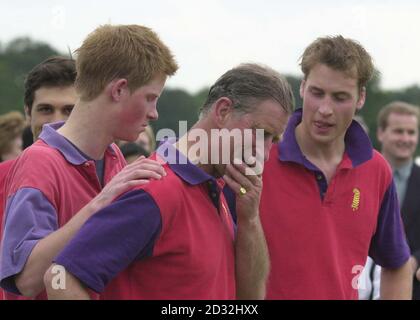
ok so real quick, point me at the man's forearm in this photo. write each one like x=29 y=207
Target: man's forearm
x=71 y=289
x=396 y=284
x=30 y=280
x=252 y=260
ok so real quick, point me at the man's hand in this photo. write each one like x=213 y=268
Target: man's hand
x=30 y=280
x=397 y=283
x=414 y=265
x=71 y=288
x=247 y=188
x=251 y=256
x=137 y=173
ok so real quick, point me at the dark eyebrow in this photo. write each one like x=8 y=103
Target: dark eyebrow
x=312 y=87
x=43 y=105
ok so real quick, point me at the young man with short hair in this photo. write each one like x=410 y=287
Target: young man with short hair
x=65 y=177
x=49 y=96
x=49 y=92
x=329 y=200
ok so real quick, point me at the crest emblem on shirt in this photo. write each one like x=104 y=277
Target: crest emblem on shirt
x=356 y=199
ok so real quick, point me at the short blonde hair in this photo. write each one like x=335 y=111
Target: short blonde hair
x=11 y=126
x=340 y=54
x=132 y=52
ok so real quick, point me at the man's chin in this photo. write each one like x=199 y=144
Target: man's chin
x=404 y=158
x=36 y=134
x=219 y=171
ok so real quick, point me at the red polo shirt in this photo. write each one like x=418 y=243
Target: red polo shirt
x=4 y=169
x=319 y=235
x=170 y=239
x=46 y=186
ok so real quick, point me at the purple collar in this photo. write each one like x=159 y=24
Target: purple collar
x=70 y=152
x=357 y=144
x=179 y=163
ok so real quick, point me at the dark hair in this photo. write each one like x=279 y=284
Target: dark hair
x=53 y=72
x=248 y=83
x=132 y=149
x=27 y=137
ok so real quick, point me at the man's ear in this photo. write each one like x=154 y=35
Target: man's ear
x=222 y=110
x=362 y=99
x=379 y=134
x=118 y=89
x=27 y=113
x=302 y=88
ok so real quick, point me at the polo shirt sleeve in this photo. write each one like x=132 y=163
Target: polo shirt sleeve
x=389 y=246
x=111 y=239
x=29 y=217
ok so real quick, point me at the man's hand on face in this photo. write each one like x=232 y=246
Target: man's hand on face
x=248 y=186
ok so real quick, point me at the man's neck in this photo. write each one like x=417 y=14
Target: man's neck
x=203 y=161
x=325 y=156
x=315 y=150
x=87 y=131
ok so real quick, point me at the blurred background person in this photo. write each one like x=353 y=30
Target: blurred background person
x=398 y=131
x=147 y=139
x=132 y=150
x=49 y=96
x=11 y=128
x=49 y=93
x=144 y=145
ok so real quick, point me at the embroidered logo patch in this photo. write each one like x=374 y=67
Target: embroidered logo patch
x=356 y=199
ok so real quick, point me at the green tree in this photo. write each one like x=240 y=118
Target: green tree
x=176 y=105
x=17 y=58
x=295 y=84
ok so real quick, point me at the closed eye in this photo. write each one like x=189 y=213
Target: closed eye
x=341 y=97
x=151 y=97
x=316 y=92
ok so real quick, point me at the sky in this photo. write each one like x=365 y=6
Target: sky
x=210 y=37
